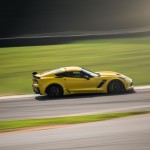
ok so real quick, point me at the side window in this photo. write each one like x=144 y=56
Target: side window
x=70 y=74
x=76 y=74
x=63 y=74
x=85 y=74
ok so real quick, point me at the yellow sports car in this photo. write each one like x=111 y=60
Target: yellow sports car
x=76 y=80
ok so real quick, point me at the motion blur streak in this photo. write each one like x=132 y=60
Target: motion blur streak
x=128 y=31
x=49 y=16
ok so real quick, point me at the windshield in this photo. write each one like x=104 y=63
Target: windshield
x=90 y=73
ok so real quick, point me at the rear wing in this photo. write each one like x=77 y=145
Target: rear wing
x=33 y=74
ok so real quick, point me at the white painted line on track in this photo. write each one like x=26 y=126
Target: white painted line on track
x=142 y=87
x=17 y=96
x=33 y=95
x=132 y=108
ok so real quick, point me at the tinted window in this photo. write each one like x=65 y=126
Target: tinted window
x=92 y=74
x=77 y=74
x=63 y=74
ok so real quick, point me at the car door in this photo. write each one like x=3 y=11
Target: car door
x=79 y=82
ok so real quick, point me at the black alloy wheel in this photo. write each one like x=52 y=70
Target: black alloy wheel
x=116 y=87
x=54 y=91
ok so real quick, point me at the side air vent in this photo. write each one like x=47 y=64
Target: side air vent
x=101 y=84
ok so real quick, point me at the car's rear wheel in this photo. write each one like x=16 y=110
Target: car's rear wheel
x=54 y=91
x=116 y=87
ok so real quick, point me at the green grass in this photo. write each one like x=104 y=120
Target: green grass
x=21 y=124
x=128 y=56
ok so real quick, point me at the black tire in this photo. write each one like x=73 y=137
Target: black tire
x=116 y=87
x=54 y=91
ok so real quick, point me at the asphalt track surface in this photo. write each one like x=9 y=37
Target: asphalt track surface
x=130 y=133
x=44 y=107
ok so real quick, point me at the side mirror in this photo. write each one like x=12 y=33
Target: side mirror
x=87 y=77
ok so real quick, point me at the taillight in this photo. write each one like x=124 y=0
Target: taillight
x=35 y=81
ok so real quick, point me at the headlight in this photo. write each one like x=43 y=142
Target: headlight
x=128 y=80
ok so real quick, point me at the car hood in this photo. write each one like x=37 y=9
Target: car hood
x=108 y=73
x=111 y=73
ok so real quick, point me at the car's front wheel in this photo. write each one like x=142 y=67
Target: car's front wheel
x=116 y=87
x=54 y=91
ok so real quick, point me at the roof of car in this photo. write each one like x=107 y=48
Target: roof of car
x=73 y=68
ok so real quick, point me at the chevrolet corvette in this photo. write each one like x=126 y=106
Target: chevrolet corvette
x=77 y=80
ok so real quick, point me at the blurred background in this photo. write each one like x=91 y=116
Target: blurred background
x=52 y=16
x=96 y=34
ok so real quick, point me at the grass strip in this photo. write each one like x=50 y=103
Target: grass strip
x=13 y=125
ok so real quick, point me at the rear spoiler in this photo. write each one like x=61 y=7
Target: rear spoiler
x=34 y=73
